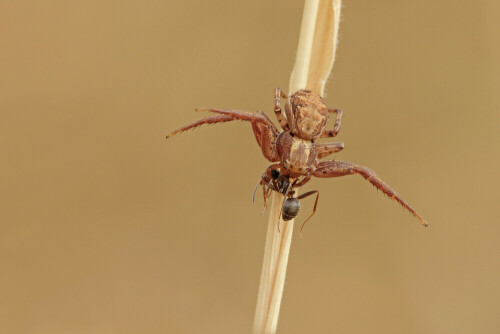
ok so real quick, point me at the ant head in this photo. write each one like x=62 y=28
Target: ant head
x=283 y=184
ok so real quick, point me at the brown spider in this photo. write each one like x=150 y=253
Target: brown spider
x=294 y=150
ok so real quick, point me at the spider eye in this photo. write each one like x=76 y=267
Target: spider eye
x=275 y=174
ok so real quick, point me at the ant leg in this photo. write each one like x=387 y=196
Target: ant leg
x=336 y=127
x=278 y=94
x=265 y=195
x=315 y=205
x=328 y=148
x=266 y=189
x=342 y=168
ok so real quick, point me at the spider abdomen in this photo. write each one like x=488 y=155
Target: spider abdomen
x=309 y=112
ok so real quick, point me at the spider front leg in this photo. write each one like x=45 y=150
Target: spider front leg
x=328 y=148
x=206 y=120
x=306 y=179
x=342 y=168
x=264 y=130
x=278 y=94
x=336 y=128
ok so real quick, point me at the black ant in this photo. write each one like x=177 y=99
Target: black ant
x=271 y=180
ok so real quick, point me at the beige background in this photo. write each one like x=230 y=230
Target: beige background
x=105 y=227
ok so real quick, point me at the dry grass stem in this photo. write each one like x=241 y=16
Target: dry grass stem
x=313 y=64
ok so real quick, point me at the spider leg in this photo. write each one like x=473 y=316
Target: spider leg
x=336 y=127
x=206 y=120
x=258 y=117
x=278 y=94
x=290 y=117
x=264 y=130
x=342 y=168
x=303 y=181
x=268 y=173
x=328 y=148
x=309 y=193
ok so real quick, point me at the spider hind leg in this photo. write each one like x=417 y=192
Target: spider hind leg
x=342 y=168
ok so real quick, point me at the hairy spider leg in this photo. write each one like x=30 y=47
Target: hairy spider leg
x=290 y=116
x=278 y=94
x=264 y=130
x=206 y=120
x=309 y=193
x=269 y=171
x=328 y=148
x=342 y=168
x=336 y=127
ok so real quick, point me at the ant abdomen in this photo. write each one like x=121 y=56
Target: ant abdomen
x=291 y=208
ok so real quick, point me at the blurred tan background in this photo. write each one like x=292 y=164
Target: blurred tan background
x=106 y=227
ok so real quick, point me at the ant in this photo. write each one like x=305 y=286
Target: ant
x=273 y=180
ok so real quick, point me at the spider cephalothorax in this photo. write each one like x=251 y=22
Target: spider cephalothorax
x=294 y=151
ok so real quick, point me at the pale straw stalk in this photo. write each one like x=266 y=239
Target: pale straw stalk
x=313 y=64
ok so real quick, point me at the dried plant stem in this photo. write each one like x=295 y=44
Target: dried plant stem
x=300 y=71
x=314 y=61
x=272 y=278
